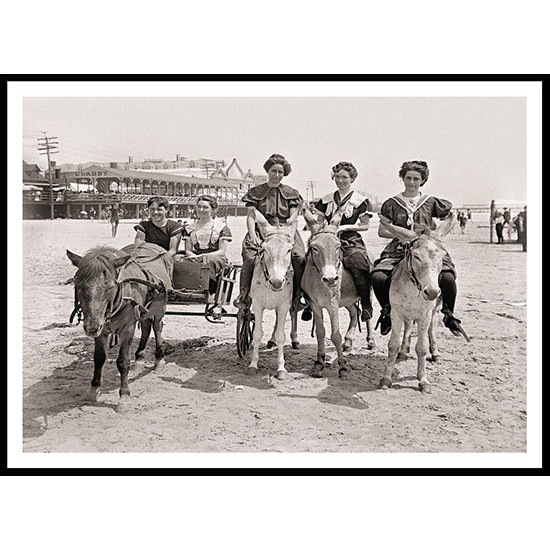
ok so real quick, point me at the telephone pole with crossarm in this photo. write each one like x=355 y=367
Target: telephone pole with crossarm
x=49 y=147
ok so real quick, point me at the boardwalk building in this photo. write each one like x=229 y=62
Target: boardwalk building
x=95 y=186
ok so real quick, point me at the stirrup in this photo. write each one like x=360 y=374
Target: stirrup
x=385 y=322
x=366 y=314
x=454 y=325
x=307 y=314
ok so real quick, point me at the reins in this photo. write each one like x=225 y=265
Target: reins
x=409 y=267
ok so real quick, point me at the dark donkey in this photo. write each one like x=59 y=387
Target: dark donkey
x=114 y=290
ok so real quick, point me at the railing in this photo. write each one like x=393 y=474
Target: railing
x=71 y=197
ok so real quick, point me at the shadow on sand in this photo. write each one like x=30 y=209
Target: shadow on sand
x=67 y=388
x=215 y=367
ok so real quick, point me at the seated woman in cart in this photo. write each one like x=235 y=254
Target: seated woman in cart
x=158 y=230
x=206 y=239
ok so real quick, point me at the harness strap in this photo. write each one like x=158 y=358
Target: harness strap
x=408 y=259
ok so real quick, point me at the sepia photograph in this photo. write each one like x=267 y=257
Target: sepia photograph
x=210 y=274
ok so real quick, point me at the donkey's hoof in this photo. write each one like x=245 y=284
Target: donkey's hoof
x=251 y=371
x=138 y=366
x=385 y=383
x=124 y=405
x=343 y=373
x=425 y=387
x=271 y=344
x=435 y=358
x=281 y=375
x=371 y=344
x=347 y=345
x=317 y=370
x=401 y=356
x=159 y=365
x=93 y=394
x=295 y=344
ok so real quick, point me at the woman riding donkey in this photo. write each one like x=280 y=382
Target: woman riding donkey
x=413 y=210
x=356 y=213
x=277 y=203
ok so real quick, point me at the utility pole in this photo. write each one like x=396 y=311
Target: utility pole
x=48 y=145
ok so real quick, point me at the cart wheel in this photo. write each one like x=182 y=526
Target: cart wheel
x=245 y=330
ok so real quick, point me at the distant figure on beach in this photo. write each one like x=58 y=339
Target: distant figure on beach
x=115 y=218
x=462 y=219
x=507 y=215
x=499 y=226
x=520 y=222
x=469 y=214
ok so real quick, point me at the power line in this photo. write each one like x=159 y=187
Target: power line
x=49 y=147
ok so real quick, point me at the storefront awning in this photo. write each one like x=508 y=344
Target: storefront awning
x=30 y=187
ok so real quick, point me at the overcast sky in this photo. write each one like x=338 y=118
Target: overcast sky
x=475 y=146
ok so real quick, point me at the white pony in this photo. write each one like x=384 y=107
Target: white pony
x=272 y=285
x=414 y=296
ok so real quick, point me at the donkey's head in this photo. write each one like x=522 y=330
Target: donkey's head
x=95 y=285
x=276 y=249
x=424 y=258
x=325 y=248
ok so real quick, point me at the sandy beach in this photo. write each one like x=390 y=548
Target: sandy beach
x=203 y=402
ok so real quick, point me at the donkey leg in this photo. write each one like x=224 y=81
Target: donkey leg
x=294 y=328
x=272 y=342
x=146 y=325
x=99 y=361
x=256 y=339
x=123 y=365
x=319 y=365
x=422 y=347
x=393 y=349
x=336 y=339
x=280 y=314
x=434 y=350
x=353 y=318
x=371 y=342
x=405 y=348
x=159 y=343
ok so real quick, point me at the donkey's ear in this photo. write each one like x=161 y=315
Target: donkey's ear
x=336 y=219
x=310 y=218
x=294 y=218
x=119 y=262
x=445 y=226
x=260 y=219
x=75 y=258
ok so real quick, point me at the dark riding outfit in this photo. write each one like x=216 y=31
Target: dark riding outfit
x=161 y=237
x=355 y=257
x=419 y=217
x=276 y=204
